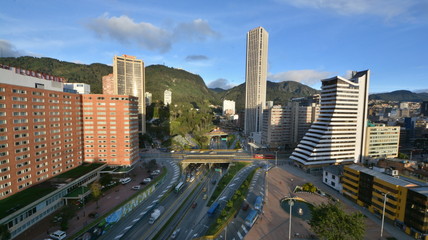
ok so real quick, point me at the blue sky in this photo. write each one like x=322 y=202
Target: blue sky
x=308 y=39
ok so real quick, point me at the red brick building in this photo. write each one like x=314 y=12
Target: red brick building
x=110 y=129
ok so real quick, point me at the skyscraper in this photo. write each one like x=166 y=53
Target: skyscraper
x=129 y=79
x=255 y=79
x=338 y=134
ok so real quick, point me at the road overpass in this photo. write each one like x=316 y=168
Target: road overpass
x=209 y=159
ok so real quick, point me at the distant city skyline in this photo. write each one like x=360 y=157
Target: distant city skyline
x=309 y=41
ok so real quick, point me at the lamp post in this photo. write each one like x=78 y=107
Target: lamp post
x=276 y=158
x=291 y=203
x=383 y=213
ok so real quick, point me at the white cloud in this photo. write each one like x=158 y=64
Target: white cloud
x=148 y=36
x=221 y=83
x=9 y=50
x=385 y=8
x=306 y=76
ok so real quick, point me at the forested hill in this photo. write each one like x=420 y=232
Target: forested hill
x=400 y=95
x=279 y=93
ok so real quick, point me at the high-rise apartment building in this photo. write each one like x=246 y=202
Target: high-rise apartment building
x=255 y=79
x=129 y=79
x=110 y=129
x=167 y=97
x=424 y=108
x=338 y=134
x=40 y=129
x=285 y=126
x=108 y=84
x=382 y=141
x=228 y=107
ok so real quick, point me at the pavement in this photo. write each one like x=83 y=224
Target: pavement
x=110 y=199
x=273 y=223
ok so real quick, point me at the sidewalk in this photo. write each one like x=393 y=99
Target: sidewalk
x=110 y=199
x=274 y=222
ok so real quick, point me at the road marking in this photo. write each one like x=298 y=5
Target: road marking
x=164 y=191
x=261 y=193
x=149 y=207
x=118 y=236
x=128 y=227
x=240 y=236
x=141 y=214
x=243 y=228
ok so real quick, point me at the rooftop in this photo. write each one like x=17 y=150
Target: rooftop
x=382 y=176
x=421 y=190
x=19 y=200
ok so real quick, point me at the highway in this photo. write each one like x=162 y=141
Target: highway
x=141 y=212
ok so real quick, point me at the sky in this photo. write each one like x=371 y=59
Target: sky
x=309 y=40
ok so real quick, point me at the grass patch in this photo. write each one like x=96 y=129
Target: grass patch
x=225 y=180
x=80 y=170
x=232 y=206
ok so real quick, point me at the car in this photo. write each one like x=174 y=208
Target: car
x=58 y=234
x=147 y=180
x=214 y=181
x=194 y=205
x=205 y=197
x=204 y=189
x=175 y=233
x=245 y=207
x=137 y=187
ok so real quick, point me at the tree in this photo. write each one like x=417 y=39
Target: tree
x=309 y=187
x=96 y=191
x=105 y=179
x=330 y=222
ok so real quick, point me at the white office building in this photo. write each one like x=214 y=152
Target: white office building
x=255 y=79
x=338 y=135
x=80 y=88
x=228 y=107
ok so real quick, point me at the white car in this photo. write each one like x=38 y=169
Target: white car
x=137 y=187
x=175 y=233
x=59 y=235
x=147 y=180
x=125 y=180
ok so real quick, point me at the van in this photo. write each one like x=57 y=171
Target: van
x=125 y=180
x=59 y=235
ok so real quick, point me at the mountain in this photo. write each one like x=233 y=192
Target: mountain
x=217 y=90
x=401 y=96
x=279 y=93
x=186 y=87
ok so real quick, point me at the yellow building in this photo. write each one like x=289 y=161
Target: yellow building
x=406 y=203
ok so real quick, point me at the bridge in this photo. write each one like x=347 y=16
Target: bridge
x=209 y=159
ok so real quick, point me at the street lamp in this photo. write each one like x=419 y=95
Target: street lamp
x=291 y=203
x=276 y=158
x=383 y=213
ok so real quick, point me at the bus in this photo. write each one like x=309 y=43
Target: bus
x=212 y=209
x=251 y=218
x=179 y=187
x=258 y=203
x=264 y=156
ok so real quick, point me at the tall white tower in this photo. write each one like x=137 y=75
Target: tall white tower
x=338 y=134
x=255 y=79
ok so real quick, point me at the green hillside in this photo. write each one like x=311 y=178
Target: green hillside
x=279 y=93
x=185 y=87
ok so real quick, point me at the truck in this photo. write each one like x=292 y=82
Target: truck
x=156 y=214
